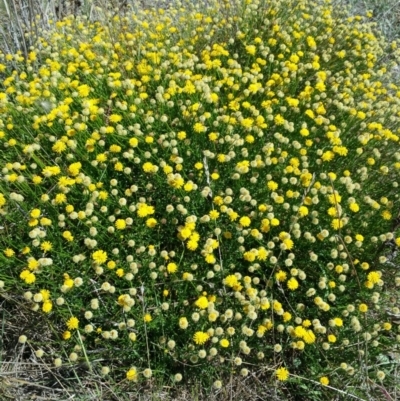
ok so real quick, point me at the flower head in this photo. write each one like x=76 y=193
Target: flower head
x=200 y=337
x=282 y=374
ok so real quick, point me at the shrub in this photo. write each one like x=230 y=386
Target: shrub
x=204 y=190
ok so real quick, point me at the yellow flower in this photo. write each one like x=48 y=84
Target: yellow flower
x=231 y=281
x=199 y=127
x=66 y=335
x=9 y=252
x=272 y=185
x=60 y=198
x=251 y=49
x=387 y=326
x=73 y=323
x=28 y=277
x=133 y=142
x=292 y=284
x=181 y=135
x=287 y=316
x=337 y=224
x=183 y=323
x=224 y=343
x=99 y=256
x=200 y=337
x=309 y=337
x=68 y=236
x=363 y=308
x=144 y=210
x=172 y=268
x=245 y=221
x=149 y=167
x=2 y=200
x=132 y=374
x=147 y=318
x=115 y=118
x=331 y=338
x=303 y=211
x=324 y=380
x=151 y=223
x=281 y=275
x=47 y=306
x=192 y=245
x=374 y=277
x=202 y=302
x=46 y=246
x=45 y=294
x=120 y=224
x=299 y=331
x=275 y=222
x=210 y=258
x=213 y=214
x=354 y=207
x=233 y=215
x=35 y=213
x=282 y=374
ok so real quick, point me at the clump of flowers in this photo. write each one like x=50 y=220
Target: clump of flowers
x=209 y=185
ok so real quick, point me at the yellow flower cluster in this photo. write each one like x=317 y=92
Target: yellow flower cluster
x=200 y=179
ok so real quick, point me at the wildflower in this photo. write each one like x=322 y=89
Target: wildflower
x=245 y=221
x=9 y=252
x=309 y=337
x=202 y=302
x=120 y=224
x=281 y=275
x=131 y=374
x=66 y=335
x=68 y=236
x=380 y=375
x=337 y=224
x=224 y=343
x=183 y=323
x=213 y=214
x=99 y=257
x=46 y=246
x=231 y=281
x=324 y=380
x=374 y=277
x=200 y=337
x=144 y=210
x=147 y=318
x=47 y=306
x=28 y=277
x=303 y=211
x=73 y=323
x=192 y=245
x=282 y=374
x=172 y=268
x=272 y=185
x=331 y=338
x=292 y=284
x=387 y=326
